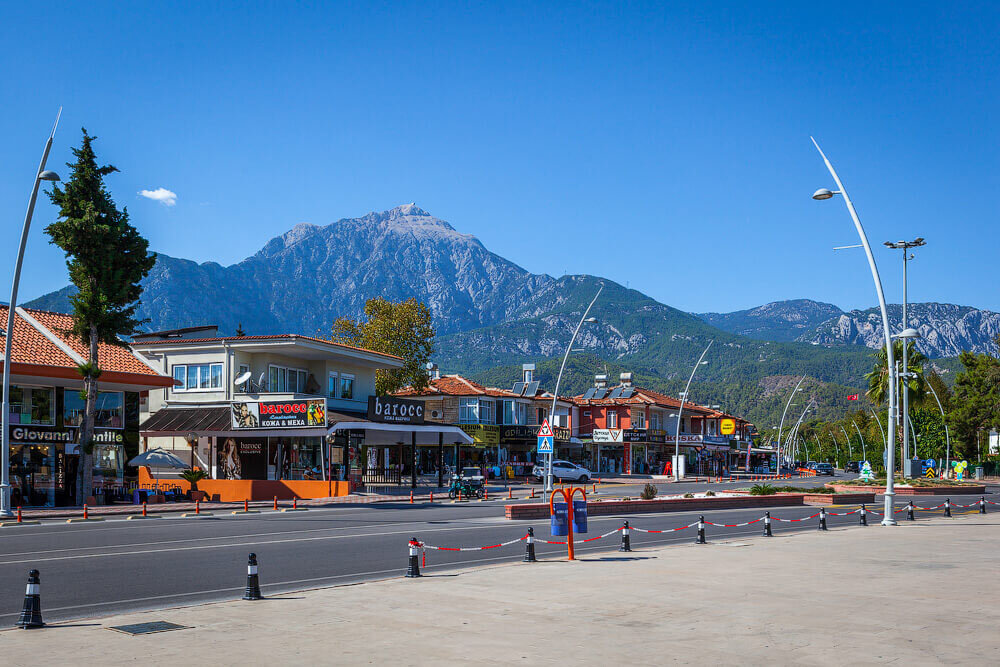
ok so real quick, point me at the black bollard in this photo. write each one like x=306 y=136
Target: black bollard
x=982 y=505
x=414 y=567
x=909 y=511
x=253 y=581
x=947 y=506
x=864 y=516
x=822 y=518
x=767 y=525
x=626 y=544
x=529 y=549
x=701 y=531
x=31 y=614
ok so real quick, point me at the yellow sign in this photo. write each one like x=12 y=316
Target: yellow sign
x=727 y=426
x=483 y=435
x=930 y=473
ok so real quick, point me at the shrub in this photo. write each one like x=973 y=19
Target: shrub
x=762 y=490
x=709 y=494
x=649 y=492
x=689 y=495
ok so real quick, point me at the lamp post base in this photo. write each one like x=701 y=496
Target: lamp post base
x=889 y=512
x=5 y=509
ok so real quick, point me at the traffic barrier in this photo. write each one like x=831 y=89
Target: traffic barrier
x=909 y=511
x=947 y=506
x=767 y=525
x=411 y=497
x=276 y=503
x=31 y=612
x=252 y=591
x=822 y=518
x=20 y=519
x=529 y=547
x=982 y=505
x=413 y=568
x=701 y=531
x=86 y=516
x=626 y=544
x=295 y=507
x=432 y=497
x=246 y=509
x=863 y=516
x=510 y=493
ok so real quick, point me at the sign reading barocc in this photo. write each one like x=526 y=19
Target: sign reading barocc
x=392 y=410
x=279 y=414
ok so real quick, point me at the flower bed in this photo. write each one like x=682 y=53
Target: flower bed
x=904 y=490
x=611 y=507
x=852 y=497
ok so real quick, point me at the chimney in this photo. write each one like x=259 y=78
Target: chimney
x=432 y=371
x=626 y=379
x=601 y=381
x=527 y=372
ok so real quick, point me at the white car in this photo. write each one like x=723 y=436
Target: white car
x=562 y=470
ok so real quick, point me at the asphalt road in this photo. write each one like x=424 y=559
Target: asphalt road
x=117 y=565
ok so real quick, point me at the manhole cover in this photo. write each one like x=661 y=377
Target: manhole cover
x=147 y=628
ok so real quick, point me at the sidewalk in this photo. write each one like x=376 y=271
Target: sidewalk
x=850 y=596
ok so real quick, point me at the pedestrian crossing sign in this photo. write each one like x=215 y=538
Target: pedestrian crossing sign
x=545 y=444
x=545 y=431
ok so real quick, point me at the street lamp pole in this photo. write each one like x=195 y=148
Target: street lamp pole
x=864 y=450
x=837 y=448
x=890 y=492
x=40 y=175
x=555 y=394
x=680 y=413
x=947 y=436
x=850 y=449
x=787 y=404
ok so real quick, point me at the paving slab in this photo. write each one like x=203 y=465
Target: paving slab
x=917 y=594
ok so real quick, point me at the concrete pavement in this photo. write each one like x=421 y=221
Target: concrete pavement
x=920 y=593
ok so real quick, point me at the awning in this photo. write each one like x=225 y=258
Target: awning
x=377 y=433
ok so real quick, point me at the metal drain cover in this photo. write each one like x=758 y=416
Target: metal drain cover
x=148 y=628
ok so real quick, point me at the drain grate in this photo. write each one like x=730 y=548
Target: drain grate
x=148 y=628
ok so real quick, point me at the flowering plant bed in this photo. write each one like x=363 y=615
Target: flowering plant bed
x=610 y=507
x=907 y=490
x=828 y=498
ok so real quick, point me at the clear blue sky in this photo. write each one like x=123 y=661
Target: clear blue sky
x=665 y=147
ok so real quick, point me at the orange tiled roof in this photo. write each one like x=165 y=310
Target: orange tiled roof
x=238 y=339
x=31 y=346
x=456 y=385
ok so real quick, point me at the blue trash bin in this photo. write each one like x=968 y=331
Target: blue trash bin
x=579 y=516
x=560 y=520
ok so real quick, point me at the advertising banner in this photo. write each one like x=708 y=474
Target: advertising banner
x=279 y=414
x=391 y=410
x=482 y=435
x=608 y=435
x=242 y=458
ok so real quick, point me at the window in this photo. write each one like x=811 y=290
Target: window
x=521 y=414
x=612 y=418
x=33 y=405
x=200 y=377
x=486 y=411
x=286 y=380
x=244 y=368
x=331 y=386
x=468 y=411
x=110 y=409
x=347 y=386
x=638 y=417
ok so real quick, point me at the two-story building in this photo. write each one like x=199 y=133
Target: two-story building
x=46 y=409
x=280 y=407
x=503 y=423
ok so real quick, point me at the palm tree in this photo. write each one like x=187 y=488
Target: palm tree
x=878 y=379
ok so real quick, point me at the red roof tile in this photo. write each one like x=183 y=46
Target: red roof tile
x=237 y=339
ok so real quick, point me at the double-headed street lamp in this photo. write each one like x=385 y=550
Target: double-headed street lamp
x=680 y=413
x=822 y=194
x=555 y=394
x=782 y=424
x=40 y=175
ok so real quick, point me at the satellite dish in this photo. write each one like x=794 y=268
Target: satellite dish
x=241 y=380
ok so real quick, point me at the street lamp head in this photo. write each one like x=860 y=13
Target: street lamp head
x=908 y=333
x=704 y=363
x=591 y=320
x=48 y=176
x=824 y=193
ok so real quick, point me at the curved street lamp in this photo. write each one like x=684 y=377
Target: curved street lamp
x=864 y=450
x=680 y=413
x=890 y=465
x=787 y=404
x=555 y=394
x=40 y=175
x=947 y=436
x=850 y=448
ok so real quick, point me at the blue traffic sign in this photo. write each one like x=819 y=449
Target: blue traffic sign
x=545 y=444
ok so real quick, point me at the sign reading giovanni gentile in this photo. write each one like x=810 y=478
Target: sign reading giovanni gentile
x=279 y=414
x=392 y=410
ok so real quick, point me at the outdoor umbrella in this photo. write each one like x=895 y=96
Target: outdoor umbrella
x=157 y=457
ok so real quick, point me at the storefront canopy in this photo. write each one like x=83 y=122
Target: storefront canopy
x=391 y=434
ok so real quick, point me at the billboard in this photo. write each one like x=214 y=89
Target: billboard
x=279 y=414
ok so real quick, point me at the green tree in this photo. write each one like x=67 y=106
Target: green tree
x=975 y=403
x=878 y=378
x=403 y=329
x=107 y=258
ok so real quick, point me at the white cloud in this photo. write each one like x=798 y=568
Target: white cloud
x=162 y=195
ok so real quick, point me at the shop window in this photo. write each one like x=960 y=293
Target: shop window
x=347 y=386
x=198 y=377
x=110 y=409
x=32 y=405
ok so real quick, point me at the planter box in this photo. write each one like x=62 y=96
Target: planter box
x=608 y=507
x=914 y=491
x=825 y=499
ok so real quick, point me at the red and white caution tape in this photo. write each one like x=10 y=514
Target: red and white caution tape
x=733 y=525
x=844 y=513
x=671 y=530
x=774 y=518
x=492 y=546
x=600 y=537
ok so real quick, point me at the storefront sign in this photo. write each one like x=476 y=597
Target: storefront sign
x=518 y=432
x=727 y=426
x=391 y=410
x=687 y=439
x=242 y=458
x=279 y=414
x=482 y=434
x=608 y=435
x=36 y=434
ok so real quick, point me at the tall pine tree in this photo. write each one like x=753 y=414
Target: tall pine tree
x=107 y=258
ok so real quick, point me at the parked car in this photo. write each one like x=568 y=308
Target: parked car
x=823 y=469
x=811 y=465
x=472 y=474
x=562 y=470
x=852 y=466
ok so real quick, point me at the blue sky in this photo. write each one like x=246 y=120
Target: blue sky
x=660 y=145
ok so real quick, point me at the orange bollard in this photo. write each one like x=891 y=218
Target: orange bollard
x=510 y=493
x=532 y=493
x=85 y=514
x=460 y=495
x=595 y=488
x=19 y=514
x=486 y=492
x=432 y=496
x=276 y=503
x=295 y=503
x=144 y=508
x=411 y=497
x=246 y=505
x=197 y=507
